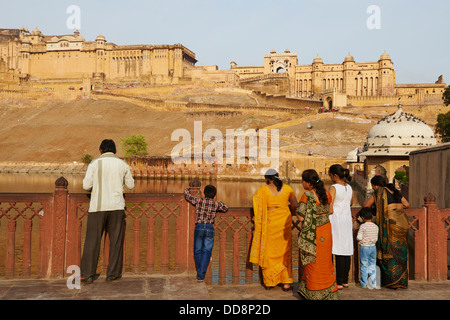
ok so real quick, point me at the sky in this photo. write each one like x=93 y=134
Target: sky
x=413 y=32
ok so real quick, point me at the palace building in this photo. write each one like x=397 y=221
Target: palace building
x=34 y=56
x=337 y=84
x=354 y=79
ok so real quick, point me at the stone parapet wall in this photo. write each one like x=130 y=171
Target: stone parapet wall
x=406 y=100
x=43 y=167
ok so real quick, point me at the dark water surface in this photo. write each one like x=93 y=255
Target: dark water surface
x=232 y=193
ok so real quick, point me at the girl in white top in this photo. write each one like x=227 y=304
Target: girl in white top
x=341 y=222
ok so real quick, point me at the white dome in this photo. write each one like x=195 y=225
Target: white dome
x=398 y=134
x=400 y=124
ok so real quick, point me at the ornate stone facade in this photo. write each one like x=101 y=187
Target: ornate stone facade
x=362 y=82
x=33 y=55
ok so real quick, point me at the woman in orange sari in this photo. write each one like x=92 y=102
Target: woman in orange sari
x=273 y=205
x=315 y=241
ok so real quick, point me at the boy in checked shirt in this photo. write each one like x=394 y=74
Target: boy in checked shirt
x=205 y=214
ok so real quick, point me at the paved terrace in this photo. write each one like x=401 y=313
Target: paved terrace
x=60 y=246
x=187 y=288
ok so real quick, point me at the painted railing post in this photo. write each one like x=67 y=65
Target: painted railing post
x=195 y=186
x=420 y=242
x=57 y=230
x=10 y=249
x=73 y=234
x=182 y=249
x=436 y=257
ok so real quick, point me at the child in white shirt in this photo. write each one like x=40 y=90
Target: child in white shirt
x=367 y=237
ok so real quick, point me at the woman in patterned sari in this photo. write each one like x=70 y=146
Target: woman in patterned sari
x=392 y=245
x=273 y=205
x=315 y=241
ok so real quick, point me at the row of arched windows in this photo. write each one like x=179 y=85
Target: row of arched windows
x=367 y=86
x=364 y=86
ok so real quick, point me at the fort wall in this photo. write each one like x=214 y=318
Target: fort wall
x=35 y=57
x=292 y=102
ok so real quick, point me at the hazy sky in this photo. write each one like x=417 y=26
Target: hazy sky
x=414 y=33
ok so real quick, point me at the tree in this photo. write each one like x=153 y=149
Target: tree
x=86 y=159
x=401 y=177
x=134 y=145
x=443 y=126
x=446 y=96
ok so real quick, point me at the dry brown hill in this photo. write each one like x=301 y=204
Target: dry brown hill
x=55 y=126
x=66 y=131
x=333 y=137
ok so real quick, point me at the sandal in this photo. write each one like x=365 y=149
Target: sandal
x=340 y=287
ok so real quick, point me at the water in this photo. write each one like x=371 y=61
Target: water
x=232 y=193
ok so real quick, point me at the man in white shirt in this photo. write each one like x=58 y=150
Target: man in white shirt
x=106 y=177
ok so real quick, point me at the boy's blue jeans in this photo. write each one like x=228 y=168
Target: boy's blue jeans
x=203 y=245
x=367 y=260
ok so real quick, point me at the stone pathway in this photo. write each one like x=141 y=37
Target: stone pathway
x=187 y=288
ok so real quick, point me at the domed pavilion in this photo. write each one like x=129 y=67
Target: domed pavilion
x=390 y=142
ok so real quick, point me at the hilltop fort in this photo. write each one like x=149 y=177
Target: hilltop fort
x=32 y=57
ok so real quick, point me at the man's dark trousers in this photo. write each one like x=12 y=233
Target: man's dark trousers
x=114 y=222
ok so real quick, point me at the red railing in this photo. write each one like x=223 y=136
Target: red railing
x=21 y=212
x=44 y=235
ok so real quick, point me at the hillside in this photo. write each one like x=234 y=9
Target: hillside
x=66 y=131
x=48 y=129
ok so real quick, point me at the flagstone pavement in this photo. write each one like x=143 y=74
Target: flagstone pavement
x=187 y=288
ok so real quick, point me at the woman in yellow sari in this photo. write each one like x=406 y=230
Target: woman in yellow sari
x=315 y=241
x=273 y=205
